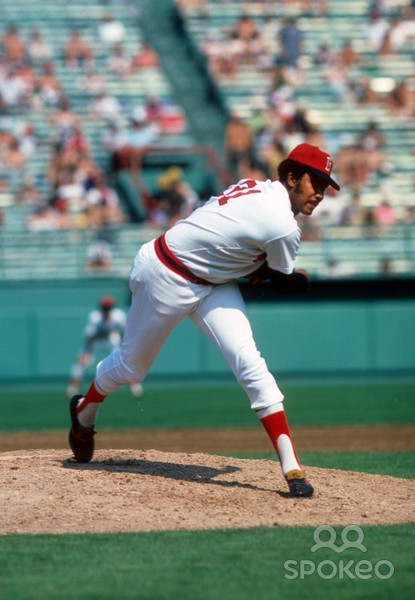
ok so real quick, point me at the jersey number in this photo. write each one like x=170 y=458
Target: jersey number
x=241 y=189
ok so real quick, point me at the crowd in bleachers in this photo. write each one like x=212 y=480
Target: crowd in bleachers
x=336 y=74
x=42 y=73
x=292 y=71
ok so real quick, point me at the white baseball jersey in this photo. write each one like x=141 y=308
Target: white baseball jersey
x=232 y=234
x=190 y=272
x=104 y=333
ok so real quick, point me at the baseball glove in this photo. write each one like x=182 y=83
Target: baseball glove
x=294 y=283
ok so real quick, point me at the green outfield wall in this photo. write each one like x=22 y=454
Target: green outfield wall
x=330 y=332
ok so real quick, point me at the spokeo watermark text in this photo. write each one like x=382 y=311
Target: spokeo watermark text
x=351 y=536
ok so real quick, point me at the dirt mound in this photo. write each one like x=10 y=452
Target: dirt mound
x=44 y=491
x=228 y=440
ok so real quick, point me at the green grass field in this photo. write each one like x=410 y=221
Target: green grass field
x=206 y=565
x=396 y=464
x=221 y=405
x=224 y=564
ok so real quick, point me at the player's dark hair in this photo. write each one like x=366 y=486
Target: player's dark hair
x=288 y=166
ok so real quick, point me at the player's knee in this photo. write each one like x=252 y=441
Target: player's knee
x=250 y=367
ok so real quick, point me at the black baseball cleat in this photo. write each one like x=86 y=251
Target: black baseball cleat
x=298 y=484
x=81 y=439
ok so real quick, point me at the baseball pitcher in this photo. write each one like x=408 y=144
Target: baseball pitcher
x=248 y=231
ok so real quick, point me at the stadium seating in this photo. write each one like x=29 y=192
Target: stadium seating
x=336 y=120
x=22 y=252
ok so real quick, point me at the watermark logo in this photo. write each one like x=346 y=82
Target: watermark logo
x=347 y=542
x=325 y=537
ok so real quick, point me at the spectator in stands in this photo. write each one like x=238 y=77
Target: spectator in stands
x=28 y=140
x=315 y=136
x=254 y=169
x=365 y=93
x=144 y=58
x=85 y=170
x=376 y=8
x=99 y=257
x=338 y=83
x=238 y=144
x=273 y=154
x=92 y=82
x=223 y=65
x=102 y=203
x=353 y=213
x=26 y=73
x=245 y=29
x=247 y=44
x=106 y=107
x=6 y=135
x=64 y=120
x=29 y=193
x=402 y=32
x=48 y=86
x=376 y=26
x=68 y=195
x=401 y=101
x=174 y=199
x=118 y=62
x=14 y=163
x=310 y=7
x=114 y=140
x=220 y=54
x=62 y=161
x=110 y=30
x=325 y=55
x=384 y=214
x=39 y=49
x=78 y=52
x=43 y=218
x=348 y=58
x=154 y=111
x=13 y=45
x=141 y=134
x=372 y=137
x=356 y=164
x=7 y=198
x=13 y=91
x=291 y=39
x=76 y=140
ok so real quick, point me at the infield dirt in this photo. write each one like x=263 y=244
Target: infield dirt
x=44 y=491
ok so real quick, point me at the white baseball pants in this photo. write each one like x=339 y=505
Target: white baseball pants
x=160 y=300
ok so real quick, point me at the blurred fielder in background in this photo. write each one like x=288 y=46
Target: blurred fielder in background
x=249 y=231
x=103 y=334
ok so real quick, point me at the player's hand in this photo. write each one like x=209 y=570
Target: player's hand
x=294 y=283
x=254 y=278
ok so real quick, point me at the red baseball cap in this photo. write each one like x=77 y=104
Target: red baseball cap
x=320 y=163
x=107 y=302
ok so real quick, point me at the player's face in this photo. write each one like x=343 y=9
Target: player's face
x=306 y=193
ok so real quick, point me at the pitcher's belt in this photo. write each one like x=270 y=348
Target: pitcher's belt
x=166 y=256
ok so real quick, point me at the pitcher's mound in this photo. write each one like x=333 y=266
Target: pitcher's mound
x=44 y=491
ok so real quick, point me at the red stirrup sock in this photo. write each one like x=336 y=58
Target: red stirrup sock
x=278 y=431
x=92 y=396
x=88 y=407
